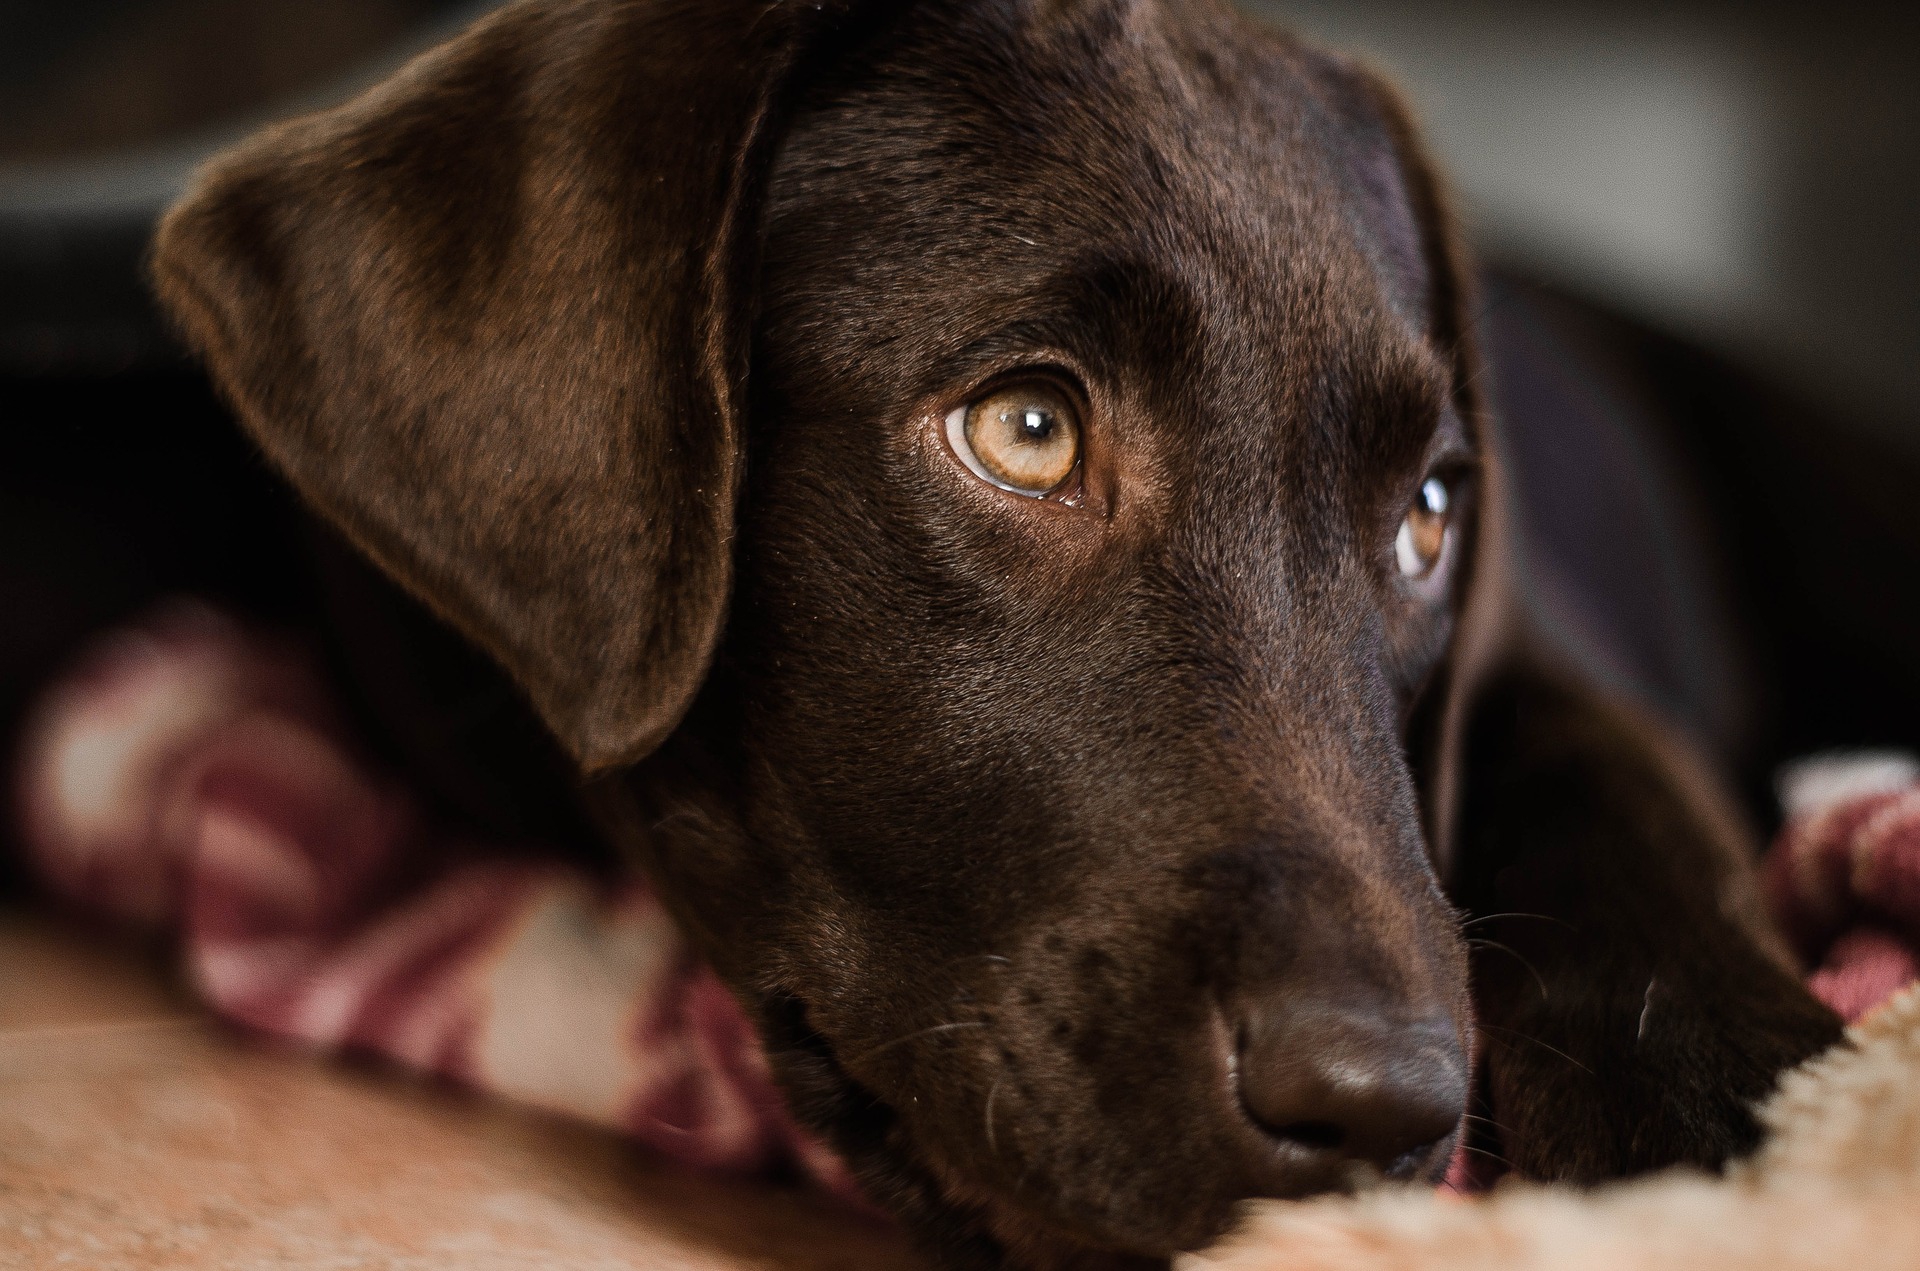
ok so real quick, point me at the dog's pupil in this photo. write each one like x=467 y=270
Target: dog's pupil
x=1036 y=424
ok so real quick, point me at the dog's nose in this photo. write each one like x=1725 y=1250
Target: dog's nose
x=1352 y=1085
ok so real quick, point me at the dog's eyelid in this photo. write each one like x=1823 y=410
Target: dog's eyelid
x=1025 y=434
x=1016 y=352
x=984 y=440
x=1427 y=530
x=1052 y=371
x=1451 y=454
x=1459 y=468
x=1452 y=442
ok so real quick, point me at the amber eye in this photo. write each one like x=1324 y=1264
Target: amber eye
x=1423 y=535
x=1024 y=438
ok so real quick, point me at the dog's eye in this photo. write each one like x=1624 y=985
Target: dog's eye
x=1024 y=438
x=1423 y=534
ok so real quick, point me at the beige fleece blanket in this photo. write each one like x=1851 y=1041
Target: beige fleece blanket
x=1837 y=1188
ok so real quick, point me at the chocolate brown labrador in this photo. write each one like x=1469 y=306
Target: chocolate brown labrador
x=995 y=496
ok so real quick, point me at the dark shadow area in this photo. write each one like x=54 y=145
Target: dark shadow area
x=115 y=492
x=1741 y=557
x=118 y=492
x=89 y=78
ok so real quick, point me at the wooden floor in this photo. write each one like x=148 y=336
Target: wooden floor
x=135 y=1134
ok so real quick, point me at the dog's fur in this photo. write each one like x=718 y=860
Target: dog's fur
x=618 y=330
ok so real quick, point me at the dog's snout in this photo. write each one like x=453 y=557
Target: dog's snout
x=1351 y=1085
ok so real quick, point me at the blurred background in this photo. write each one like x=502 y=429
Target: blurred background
x=1746 y=172
x=1710 y=201
x=1743 y=171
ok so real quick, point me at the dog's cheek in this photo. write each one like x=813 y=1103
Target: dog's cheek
x=1089 y=1111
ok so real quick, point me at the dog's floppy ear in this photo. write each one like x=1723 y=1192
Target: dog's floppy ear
x=489 y=319
x=1417 y=237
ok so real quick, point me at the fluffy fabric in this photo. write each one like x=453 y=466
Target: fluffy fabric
x=1844 y=879
x=191 y=775
x=1837 y=1186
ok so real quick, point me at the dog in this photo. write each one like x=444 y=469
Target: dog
x=996 y=498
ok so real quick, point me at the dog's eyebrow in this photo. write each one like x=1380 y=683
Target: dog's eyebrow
x=1394 y=406
x=1106 y=311
x=1116 y=313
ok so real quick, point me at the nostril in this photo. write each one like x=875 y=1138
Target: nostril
x=1322 y=1135
x=1350 y=1084
x=1409 y=1162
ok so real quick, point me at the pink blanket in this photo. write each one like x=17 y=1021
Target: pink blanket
x=191 y=775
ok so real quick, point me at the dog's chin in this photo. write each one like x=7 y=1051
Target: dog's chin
x=961 y=1222
x=1036 y=1242
x=958 y=1221
x=1032 y=1241
x=1035 y=1246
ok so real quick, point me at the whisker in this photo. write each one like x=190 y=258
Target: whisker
x=1495 y=1028
x=1492 y=1156
x=964 y=994
x=1481 y=942
x=993 y=1093
x=976 y=957
x=678 y=815
x=1561 y=922
x=915 y=1036
x=953 y=965
x=1489 y=1122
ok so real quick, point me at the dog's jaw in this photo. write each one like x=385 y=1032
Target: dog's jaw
x=955 y=1221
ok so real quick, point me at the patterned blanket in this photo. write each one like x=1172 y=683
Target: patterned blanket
x=192 y=775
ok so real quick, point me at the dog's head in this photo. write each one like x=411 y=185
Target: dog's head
x=990 y=487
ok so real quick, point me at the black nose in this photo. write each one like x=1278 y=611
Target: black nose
x=1352 y=1084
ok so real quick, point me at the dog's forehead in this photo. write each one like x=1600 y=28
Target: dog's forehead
x=1174 y=129
x=999 y=147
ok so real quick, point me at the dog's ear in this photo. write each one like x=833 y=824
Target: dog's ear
x=1414 y=233
x=489 y=319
